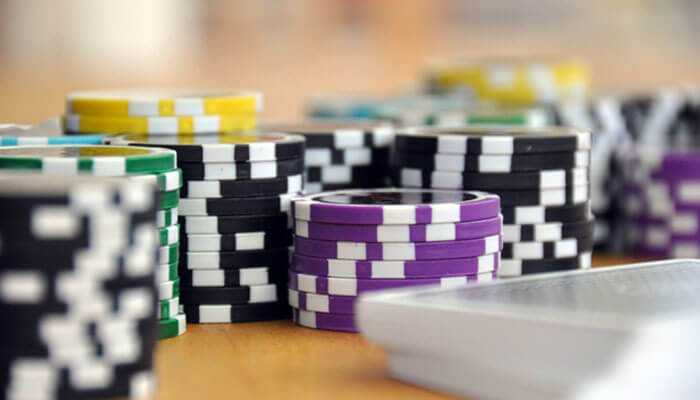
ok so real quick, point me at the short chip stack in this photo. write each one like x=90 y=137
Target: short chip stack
x=234 y=221
x=344 y=155
x=353 y=241
x=161 y=112
x=77 y=293
x=662 y=202
x=156 y=166
x=540 y=175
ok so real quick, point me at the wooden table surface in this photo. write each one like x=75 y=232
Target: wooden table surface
x=274 y=360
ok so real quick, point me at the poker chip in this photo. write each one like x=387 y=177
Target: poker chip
x=236 y=241
x=511 y=81
x=236 y=206
x=395 y=269
x=191 y=125
x=564 y=248
x=168 y=289
x=395 y=206
x=541 y=176
x=241 y=170
x=398 y=251
x=235 y=224
x=236 y=259
x=169 y=200
x=172 y=327
x=77 y=286
x=230 y=295
x=325 y=321
x=166 y=272
x=229 y=313
x=168 y=254
x=246 y=188
x=166 y=181
x=355 y=286
x=232 y=277
x=34 y=140
x=546 y=179
x=515 y=267
x=223 y=148
x=546 y=232
x=166 y=217
x=399 y=233
x=493 y=163
x=492 y=140
x=168 y=308
x=169 y=235
x=93 y=160
x=546 y=214
x=321 y=303
x=344 y=155
x=138 y=103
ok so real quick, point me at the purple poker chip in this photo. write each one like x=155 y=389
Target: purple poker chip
x=399 y=233
x=396 y=206
x=353 y=287
x=395 y=269
x=398 y=251
x=321 y=303
x=331 y=322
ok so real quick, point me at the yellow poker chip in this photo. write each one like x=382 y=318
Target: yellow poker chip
x=162 y=103
x=206 y=124
x=514 y=82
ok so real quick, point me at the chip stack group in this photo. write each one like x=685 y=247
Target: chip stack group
x=234 y=214
x=156 y=166
x=353 y=241
x=344 y=155
x=540 y=175
x=77 y=293
x=662 y=202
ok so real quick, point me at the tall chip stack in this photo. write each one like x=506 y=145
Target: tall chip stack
x=157 y=166
x=540 y=175
x=234 y=215
x=173 y=114
x=77 y=292
x=353 y=241
x=344 y=155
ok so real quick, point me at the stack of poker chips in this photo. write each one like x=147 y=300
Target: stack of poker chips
x=662 y=202
x=77 y=293
x=344 y=155
x=540 y=175
x=156 y=166
x=234 y=219
x=161 y=112
x=353 y=241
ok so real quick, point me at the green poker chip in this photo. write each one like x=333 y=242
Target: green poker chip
x=166 y=181
x=169 y=200
x=92 y=160
x=169 y=254
x=169 y=235
x=167 y=217
x=167 y=272
x=172 y=327
x=168 y=289
x=169 y=308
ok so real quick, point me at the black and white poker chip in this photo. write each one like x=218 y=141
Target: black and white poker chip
x=241 y=170
x=492 y=140
x=233 y=277
x=229 y=313
x=236 y=241
x=231 y=295
x=273 y=258
x=340 y=135
x=544 y=197
x=547 y=232
x=242 y=188
x=544 y=214
x=546 y=179
x=235 y=224
x=269 y=205
x=515 y=267
x=225 y=147
x=320 y=157
x=564 y=248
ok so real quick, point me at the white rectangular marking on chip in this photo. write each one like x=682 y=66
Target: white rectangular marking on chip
x=487 y=263
x=22 y=287
x=302 y=210
x=441 y=213
x=530 y=215
x=208 y=278
x=143 y=108
x=399 y=251
x=109 y=166
x=250 y=241
x=388 y=270
x=511 y=233
x=348 y=138
x=351 y=250
x=214 y=313
x=342 y=287
x=494 y=163
x=293 y=298
x=55 y=222
x=393 y=233
x=163 y=125
x=336 y=174
x=497 y=145
x=217 y=152
x=528 y=250
x=399 y=214
x=510 y=268
x=452 y=144
x=453 y=281
x=306 y=283
x=317 y=157
x=686 y=223
x=263 y=293
x=189 y=107
x=449 y=162
x=438 y=232
x=201 y=224
x=253 y=276
x=342 y=268
x=262 y=151
x=689 y=192
x=307 y=318
x=411 y=177
x=59 y=166
x=566 y=248
x=206 y=124
x=318 y=302
x=548 y=232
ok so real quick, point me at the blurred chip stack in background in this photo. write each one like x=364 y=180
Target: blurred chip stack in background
x=344 y=155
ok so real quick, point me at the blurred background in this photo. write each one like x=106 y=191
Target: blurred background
x=291 y=50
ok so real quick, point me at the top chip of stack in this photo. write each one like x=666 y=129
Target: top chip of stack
x=515 y=82
x=343 y=154
x=161 y=112
x=540 y=174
